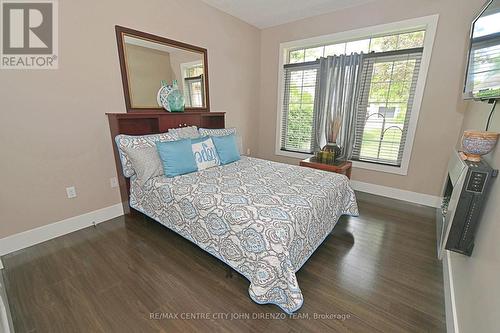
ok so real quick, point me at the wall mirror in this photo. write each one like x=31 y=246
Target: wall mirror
x=148 y=62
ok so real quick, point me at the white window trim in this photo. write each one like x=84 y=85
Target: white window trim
x=429 y=23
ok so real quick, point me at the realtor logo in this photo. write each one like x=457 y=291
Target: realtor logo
x=29 y=34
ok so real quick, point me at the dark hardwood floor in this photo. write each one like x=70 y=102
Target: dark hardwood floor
x=376 y=273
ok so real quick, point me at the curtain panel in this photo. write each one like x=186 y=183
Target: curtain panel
x=337 y=96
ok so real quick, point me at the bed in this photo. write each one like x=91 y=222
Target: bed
x=264 y=219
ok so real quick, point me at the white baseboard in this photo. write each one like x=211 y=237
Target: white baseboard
x=449 y=296
x=395 y=193
x=41 y=234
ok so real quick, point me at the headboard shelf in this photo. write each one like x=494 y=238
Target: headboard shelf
x=144 y=123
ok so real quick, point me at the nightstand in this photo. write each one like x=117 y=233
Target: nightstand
x=343 y=168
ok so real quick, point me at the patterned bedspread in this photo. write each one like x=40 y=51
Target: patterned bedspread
x=264 y=219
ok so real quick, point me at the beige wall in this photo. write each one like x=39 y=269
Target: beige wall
x=475 y=279
x=53 y=130
x=146 y=69
x=442 y=107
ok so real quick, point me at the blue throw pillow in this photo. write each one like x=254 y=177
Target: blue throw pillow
x=177 y=157
x=226 y=148
x=200 y=139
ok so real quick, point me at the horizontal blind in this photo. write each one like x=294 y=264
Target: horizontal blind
x=483 y=77
x=297 y=127
x=387 y=90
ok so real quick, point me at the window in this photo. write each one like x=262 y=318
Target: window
x=389 y=87
x=300 y=90
x=193 y=84
x=388 y=83
x=373 y=44
x=483 y=74
x=194 y=70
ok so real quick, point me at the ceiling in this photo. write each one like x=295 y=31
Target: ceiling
x=268 y=13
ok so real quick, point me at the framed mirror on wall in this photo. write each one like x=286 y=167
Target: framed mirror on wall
x=149 y=62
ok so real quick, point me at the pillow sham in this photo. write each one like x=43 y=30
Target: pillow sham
x=190 y=132
x=146 y=163
x=137 y=142
x=226 y=148
x=204 y=153
x=217 y=131
x=177 y=157
x=222 y=132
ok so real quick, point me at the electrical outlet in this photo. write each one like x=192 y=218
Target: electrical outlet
x=71 y=192
x=114 y=182
x=248 y=151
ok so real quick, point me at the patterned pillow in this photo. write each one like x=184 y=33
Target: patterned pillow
x=190 y=132
x=204 y=153
x=217 y=131
x=146 y=163
x=223 y=132
x=137 y=142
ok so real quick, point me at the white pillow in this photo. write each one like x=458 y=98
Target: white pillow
x=205 y=153
x=190 y=132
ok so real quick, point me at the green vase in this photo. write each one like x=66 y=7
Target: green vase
x=176 y=99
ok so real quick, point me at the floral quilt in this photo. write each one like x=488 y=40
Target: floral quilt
x=262 y=218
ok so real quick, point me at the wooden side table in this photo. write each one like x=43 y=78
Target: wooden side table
x=343 y=168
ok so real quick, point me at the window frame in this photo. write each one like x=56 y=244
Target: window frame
x=427 y=23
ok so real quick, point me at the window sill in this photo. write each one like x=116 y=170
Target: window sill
x=402 y=170
x=292 y=154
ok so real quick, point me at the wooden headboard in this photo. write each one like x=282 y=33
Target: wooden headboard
x=142 y=123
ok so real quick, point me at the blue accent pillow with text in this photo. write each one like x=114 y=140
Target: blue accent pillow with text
x=177 y=157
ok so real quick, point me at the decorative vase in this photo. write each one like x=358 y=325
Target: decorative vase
x=163 y=92
x=334 y=149
x=478 y=143
x=175 y=99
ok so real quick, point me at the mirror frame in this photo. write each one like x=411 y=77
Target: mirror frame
x=122 y=31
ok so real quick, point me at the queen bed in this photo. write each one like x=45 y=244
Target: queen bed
x=264 y=219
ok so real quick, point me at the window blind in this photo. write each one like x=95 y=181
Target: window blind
x=387 y=91
x=300 y=81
